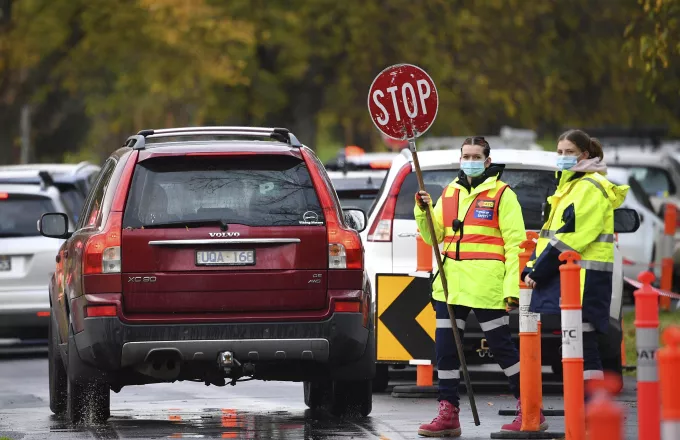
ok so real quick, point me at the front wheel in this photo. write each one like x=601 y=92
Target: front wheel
x=382 y=378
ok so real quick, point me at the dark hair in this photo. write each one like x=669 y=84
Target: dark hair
x=584 y=143
x=477 y=140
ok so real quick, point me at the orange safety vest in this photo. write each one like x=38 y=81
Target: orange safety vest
x=479 y=237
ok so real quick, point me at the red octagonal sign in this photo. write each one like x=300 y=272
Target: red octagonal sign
x=403 y=101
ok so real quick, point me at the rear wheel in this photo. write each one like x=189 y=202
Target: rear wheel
x=351 y=398
x=57 y=374
x=88 y=402
x=315 y=394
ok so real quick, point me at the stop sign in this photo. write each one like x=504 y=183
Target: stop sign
x=403 y=101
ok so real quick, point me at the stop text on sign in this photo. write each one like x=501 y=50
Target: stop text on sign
x=403 y=101
x=408 y=98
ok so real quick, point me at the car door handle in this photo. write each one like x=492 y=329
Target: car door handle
x=407 y=234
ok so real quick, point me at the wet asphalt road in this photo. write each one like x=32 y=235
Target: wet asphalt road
x=250 y=410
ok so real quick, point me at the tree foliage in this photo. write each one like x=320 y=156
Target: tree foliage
x=95 y=71
x=653 y=46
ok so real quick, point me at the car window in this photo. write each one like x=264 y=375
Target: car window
x=254 y=191
x=73 y=199
x=639 y=193
x=655 y=181
x=362 y=199
x=19 y=214
x=91 y=215
x=531 y=186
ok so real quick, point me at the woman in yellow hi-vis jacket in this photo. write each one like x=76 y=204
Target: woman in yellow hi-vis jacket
x=480 y=223
x=581 y=219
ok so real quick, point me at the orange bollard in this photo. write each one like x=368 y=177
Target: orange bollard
x=604 y=417
x=572 y=346
x=668 y=247
x=423 y=255
x=647 y=343
x=424 y=371
x=668 y=358
x=531 y=379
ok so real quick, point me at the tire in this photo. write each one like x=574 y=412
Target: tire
x=87 y=401
x=382 y=378
x=351 y=398
x=57 y=374
x=315 y=394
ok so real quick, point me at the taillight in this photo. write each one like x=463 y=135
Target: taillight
x=381 y=229
x=344 y=244
x=102 y=251
x=348 y=306
x=98 y=311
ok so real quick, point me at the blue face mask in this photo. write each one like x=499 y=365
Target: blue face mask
x=472 y=168
x=566 y=162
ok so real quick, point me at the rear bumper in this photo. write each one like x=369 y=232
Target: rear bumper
x=110 y=345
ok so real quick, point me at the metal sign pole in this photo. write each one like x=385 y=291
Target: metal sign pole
x=442 y=276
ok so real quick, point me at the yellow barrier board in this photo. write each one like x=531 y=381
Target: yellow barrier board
x=406 y=320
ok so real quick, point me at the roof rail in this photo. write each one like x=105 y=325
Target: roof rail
x=138 y=141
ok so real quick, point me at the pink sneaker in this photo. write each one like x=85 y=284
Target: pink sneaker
x=516 y=424
x=446 y=423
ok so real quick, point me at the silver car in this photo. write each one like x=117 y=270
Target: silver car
x=27 y=261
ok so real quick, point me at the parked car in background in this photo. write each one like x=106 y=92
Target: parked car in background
x=391 y=236
x=638 y=248
x=74 y=181
x=211 y=260
x=27 y=261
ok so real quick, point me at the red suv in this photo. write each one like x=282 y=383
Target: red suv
x=210 y=254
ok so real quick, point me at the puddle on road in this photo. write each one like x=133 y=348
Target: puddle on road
x=220 y=423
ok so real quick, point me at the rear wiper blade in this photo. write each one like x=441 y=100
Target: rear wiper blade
x=221 y=223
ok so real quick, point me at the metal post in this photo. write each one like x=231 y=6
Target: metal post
x=25 y=126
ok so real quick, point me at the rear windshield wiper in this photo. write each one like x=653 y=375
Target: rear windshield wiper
x=222 y=223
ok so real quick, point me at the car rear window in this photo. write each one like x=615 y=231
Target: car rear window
x=360 y=198
x=19 y=214
x=656 y=181
x=531 y=186
x=252 y=190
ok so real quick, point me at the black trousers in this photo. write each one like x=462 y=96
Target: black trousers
x=494 y=324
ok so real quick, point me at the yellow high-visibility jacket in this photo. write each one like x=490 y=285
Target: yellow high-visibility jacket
x=581 y=219
x=488 y=269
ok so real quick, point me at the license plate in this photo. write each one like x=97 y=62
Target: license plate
x=5 y=263
x=225 y=258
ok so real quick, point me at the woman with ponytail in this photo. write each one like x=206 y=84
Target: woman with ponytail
x=581 y=219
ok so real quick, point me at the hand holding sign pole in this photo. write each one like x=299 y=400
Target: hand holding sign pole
x=403 y=104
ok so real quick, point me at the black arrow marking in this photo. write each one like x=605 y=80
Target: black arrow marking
x=400 y=319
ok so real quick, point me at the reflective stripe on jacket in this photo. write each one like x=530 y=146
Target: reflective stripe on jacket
x=481 y=282
x=480 y=236
x=581 y=219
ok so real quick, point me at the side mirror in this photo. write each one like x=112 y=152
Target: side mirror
x=355 y=218
x=626 y=220
x=54 y=225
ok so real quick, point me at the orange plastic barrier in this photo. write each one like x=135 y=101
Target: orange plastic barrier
x=669 y=366
x=604 y=417
x=423 y=255
x=572 y=347
x=647 y=343
x=668 y=247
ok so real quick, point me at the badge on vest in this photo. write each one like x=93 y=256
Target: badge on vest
x=483 y=214
x=486 y=204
